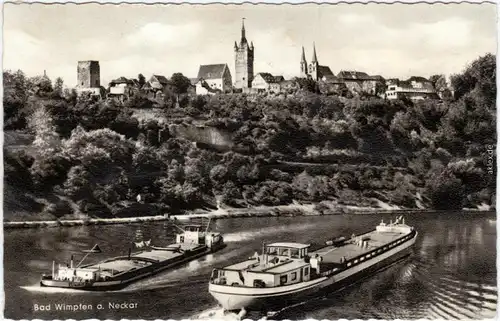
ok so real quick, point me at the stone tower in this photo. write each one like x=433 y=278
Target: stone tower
x=313 y=66
x=303 y=65
x=89 y=74
x=243 y=61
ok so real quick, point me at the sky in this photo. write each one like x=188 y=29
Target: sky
x=395 y=41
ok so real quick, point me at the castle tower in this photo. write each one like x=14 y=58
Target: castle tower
x=313 y=67
x=244 y=54
x=303 y=64
x=88 y=74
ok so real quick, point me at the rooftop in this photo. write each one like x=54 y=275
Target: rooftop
x=161 y=79
x=211 y=71
x=289 y=245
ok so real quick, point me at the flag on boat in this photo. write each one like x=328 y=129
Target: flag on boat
x=95 y=249
x=147 y=242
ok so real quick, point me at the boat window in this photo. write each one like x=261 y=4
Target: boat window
x=272 y=251
x=283 y=279
x=306 y=271
x=355 y=261
x=362 y=259
x=294 y=253
x=349 y=264
x=294 y=276
x=283 y=252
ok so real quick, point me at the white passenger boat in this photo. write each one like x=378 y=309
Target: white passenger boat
x=285 y=272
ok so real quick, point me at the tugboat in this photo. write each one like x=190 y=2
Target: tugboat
x=118 y=272
x=285 y=272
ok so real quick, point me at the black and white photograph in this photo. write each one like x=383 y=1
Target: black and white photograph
x=249 y=161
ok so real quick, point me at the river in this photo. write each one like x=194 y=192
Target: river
x=452 y=274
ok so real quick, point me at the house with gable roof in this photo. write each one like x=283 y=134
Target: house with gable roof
x=264 y=81
x=121 y=88
x=213 y=78
x=158 y=82
x=361 y=82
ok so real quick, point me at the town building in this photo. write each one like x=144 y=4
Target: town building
x=88 y=77
x=121 y=88
x=158 y=82
x=314 y=71
x=244 y=55
x=213 y=78
x=332 y=84
x=264 y=81
x=360 y=82
x=414 y=88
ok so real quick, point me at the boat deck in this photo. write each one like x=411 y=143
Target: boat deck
x=332 y=254
x=122 y=264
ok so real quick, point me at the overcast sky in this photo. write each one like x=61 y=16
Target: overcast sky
x=394 y=40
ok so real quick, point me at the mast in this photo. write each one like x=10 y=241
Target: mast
x=208 y=225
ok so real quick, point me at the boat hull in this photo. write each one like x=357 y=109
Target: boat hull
x=129 y=277
x=236 y=298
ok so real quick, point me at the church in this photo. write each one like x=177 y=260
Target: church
x=314 y=71
x=243 y=61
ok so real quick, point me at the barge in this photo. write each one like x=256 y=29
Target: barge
x=287 y=272
x=118 y=272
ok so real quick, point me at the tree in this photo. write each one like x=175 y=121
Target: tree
x=480 y=76
x=142 y=79
x=58 y=86
x=441 y=84
x=15 y=99
x=40 y=84
x=380 y=88
x=434 y=78
x=180 y=84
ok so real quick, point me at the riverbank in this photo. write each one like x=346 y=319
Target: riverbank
x=294 y=209
x=86 y=221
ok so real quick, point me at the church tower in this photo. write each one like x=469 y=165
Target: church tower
x=313 y=67
x=243 y=61
x=303 y=65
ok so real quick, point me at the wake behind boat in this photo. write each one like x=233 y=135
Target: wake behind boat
x=118 y=272
x=285 y=272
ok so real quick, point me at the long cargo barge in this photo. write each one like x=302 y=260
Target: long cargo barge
x=118 y=272
x=286 y=272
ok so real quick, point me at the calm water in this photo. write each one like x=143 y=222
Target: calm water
x=452 y=274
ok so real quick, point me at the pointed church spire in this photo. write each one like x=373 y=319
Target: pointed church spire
x=303 y=64
x=243 y=30
x=235 y=45
x=315 y=58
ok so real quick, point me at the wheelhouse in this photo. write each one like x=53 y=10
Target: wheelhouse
x=280 y=264
x=290 y=250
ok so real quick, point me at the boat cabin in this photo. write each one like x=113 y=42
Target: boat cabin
x=291 y=250
x=194 y=234
x=280 y=264
x=77 y=274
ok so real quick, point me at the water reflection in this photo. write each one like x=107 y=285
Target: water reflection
x=452 y=273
